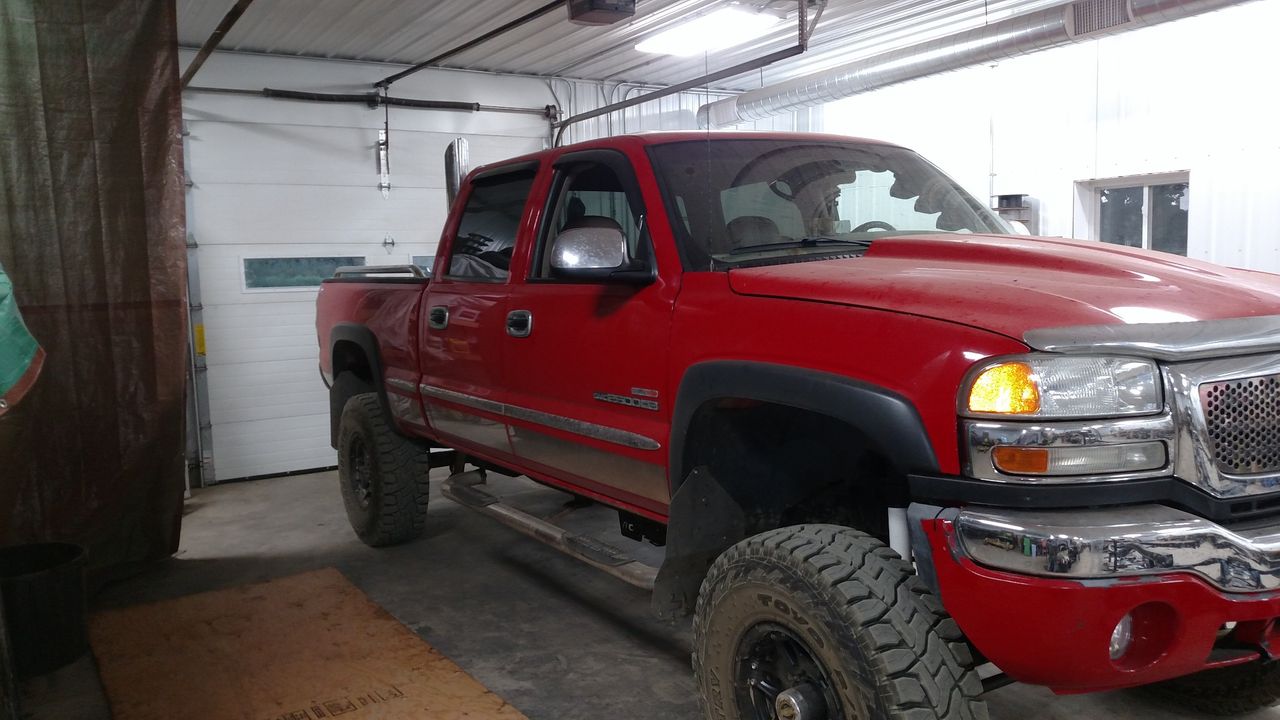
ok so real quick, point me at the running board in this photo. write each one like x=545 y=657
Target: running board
x=463 y=489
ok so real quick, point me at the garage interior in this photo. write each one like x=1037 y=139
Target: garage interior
x=181 y=174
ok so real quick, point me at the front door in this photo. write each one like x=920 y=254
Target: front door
x=586 y=362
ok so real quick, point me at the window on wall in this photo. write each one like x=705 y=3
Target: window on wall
x=1142 y=212
x=292 y=272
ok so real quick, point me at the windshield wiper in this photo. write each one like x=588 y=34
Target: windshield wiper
x=801 y=243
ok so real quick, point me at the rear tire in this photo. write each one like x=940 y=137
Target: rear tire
x=837 y=622
x=1225 y=691
x=383 y=475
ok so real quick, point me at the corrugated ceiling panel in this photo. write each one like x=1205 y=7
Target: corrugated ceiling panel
x=396 y=31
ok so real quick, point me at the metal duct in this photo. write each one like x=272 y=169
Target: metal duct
x=1021 y=35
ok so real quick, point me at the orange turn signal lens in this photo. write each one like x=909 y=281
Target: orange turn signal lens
x=1008 y=389
x=1021 y=461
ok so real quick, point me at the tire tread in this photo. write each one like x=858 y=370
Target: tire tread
x=923 y=664
x=401 y=466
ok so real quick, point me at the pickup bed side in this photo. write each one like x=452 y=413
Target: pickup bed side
x=368 y=335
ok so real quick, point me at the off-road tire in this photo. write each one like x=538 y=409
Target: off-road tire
x=1225 y=691
x=888 y=647
x=382 y=474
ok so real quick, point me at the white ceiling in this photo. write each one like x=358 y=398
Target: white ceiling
x=408 y=32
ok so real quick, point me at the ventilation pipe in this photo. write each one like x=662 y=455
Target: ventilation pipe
x=1020 y=35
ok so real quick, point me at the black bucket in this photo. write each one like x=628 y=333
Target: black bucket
x=44 y=605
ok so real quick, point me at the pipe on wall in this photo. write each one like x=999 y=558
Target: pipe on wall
x=375 y=100
x=1049 y=28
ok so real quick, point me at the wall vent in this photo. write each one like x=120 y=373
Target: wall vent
x=1092 y=16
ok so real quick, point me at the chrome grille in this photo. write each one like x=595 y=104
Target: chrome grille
x=1242 y=421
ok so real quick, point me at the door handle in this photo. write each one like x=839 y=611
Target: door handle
x=519 y=323
x=438 y=317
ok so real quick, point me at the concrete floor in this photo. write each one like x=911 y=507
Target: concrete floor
x=555 y=638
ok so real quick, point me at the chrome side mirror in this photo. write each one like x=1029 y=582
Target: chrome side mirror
x=588 y=253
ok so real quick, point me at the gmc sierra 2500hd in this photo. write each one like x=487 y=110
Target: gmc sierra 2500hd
x=882 y=439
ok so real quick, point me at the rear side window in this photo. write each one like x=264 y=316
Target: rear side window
x=487 y=232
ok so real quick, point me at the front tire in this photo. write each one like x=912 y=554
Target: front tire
x=1225 y=691
x=383 y=475
x=834 y=623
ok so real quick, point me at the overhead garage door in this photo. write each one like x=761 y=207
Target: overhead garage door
x=273 y=206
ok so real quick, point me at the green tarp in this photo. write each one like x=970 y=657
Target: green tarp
x=20 y=356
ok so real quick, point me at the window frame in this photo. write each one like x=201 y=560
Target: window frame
x=621 y=165
x=488 y=174
x=1088 y=210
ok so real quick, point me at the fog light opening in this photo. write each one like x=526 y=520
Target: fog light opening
x=1122 y=637
x=1144 y=636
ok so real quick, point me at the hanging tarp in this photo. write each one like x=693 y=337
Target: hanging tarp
x=92 y=239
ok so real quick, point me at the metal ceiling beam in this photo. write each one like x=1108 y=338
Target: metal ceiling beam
x=526 y=18
x=215 y=39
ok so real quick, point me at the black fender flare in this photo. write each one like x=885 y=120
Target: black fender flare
x=705 y=518
x=363 y=338
x=888 y=419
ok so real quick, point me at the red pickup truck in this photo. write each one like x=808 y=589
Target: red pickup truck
x=883 y=440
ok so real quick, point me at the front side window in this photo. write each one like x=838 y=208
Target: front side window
x=490 y=221
x=591 y=195
x=762 y=201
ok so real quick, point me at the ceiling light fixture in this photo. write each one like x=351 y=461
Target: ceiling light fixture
x=717 y=30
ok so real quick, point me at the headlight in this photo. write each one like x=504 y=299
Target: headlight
x=1062 y=386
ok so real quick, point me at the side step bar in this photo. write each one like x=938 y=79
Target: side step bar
x=463 y=489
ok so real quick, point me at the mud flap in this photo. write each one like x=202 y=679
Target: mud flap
x=705 y=520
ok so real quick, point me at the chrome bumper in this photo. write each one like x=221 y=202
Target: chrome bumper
x=1122 y=542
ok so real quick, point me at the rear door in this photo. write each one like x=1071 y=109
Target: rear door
x=586 y=361
x=463 y=322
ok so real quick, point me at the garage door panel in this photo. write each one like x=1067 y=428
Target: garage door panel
x=320 y=155
x=222 y=271
x=269 y=214
x=269 y=393
x=263 y=447
x=261 y=345
x=229 y=412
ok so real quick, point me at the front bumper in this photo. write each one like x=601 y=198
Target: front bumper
x=1122 y=542
x=1039 y=594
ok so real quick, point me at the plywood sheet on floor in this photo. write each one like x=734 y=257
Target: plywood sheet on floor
x=305 y=647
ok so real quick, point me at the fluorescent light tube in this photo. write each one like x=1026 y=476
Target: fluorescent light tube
x=717 y=30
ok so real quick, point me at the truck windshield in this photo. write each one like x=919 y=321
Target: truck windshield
x=749 y=202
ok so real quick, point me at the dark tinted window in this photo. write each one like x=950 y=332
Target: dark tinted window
x=487 y=233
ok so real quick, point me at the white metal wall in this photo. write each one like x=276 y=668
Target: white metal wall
x=1193 y=95
x=278 y=178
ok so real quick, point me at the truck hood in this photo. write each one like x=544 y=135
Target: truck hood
x=1010 y=285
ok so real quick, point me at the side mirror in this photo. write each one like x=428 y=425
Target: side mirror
x=594 y=253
